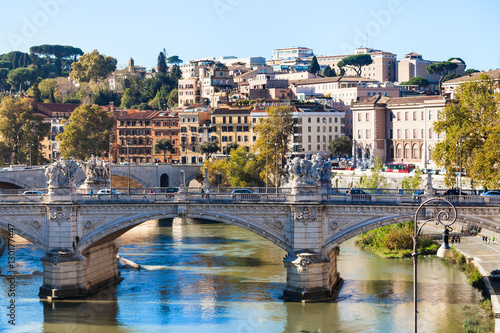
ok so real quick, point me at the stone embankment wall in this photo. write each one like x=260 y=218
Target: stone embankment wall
x=350 y=179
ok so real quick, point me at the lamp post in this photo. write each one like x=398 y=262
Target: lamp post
x=444 y=251
x=277 y=173
x=267 y=167
x=128 y=162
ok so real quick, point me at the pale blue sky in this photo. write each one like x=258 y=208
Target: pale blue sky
x=192 y=29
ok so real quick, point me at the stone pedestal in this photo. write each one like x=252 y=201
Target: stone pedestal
x=303 y=193
x=311 y=277
x=59 y=194
x=93 y=186
x=70 y=275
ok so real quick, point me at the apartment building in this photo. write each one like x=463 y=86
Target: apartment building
x=315 y=125
x=344 y=91
x=194 y=129
x=165 y=125
x=396 y=129
x=133 y=136
x=383 y=67
x=267 y=87
x=414 y=65
x=291 y=59
x=232 y=124
x=189 y=91
x=450 y=87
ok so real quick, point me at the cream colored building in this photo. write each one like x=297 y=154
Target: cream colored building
x=382 y=69
x=396 y=129
x=450 y=87
x=413 y=65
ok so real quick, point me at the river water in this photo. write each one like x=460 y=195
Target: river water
x=212 y=277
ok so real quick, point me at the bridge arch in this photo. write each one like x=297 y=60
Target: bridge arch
x=13 y=181
x=24 y=232
x=126 y=175
x=373 y=223
x=117 y=227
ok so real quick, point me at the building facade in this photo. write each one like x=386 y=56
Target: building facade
x=396 y=129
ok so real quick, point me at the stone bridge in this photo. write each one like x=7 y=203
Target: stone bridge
x=77 y=231
x=157 y=175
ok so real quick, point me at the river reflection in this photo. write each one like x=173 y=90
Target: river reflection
x=212 y=277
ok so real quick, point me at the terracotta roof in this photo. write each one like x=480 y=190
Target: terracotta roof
x=365 y=100
x=331 y=80
x=233 y=110
x=494 y=74
x=135 y=114
x=412 y=54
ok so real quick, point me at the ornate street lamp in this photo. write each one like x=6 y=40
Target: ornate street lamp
x=444 y=251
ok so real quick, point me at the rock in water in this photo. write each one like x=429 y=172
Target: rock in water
x=127 y=264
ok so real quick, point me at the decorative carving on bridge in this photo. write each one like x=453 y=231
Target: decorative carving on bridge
x=333 y=225
x=312 y=172
x=35 y=224
x=278 y=224
x=181 y=212
x=304 y=215
x=61 y=174
x=96 y=170
x=89 y=225
x=59 y=214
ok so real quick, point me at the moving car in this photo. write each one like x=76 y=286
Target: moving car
x=356 y=191
x=107 y=191
x=244 y=194
x=493 y=193
x=31 y=192
x=495 y=274
x=171 y=190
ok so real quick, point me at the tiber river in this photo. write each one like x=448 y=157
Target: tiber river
x=212 y=277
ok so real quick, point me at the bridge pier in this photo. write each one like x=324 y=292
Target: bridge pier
x=311 y=277
x=70 y=275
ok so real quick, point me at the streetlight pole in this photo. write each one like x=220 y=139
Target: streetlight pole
x=277 y=173
x=128 y=162
x=443 y=252
x=267 y=167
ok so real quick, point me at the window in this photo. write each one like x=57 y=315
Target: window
x=367 y=132
x=414 y=133
x=367 y=116
x=398 y=131
x=359 y=116
x=430 y=133
x=359 y=134
x=230 y=119
x=390 y=133
x=398 y=151
x=309 y=119
x=415 y=152
x=406 y=133
x=399 y=116
x=407 y=151
x=223 y=120
x=406 y=115
x=414 y=115
x=430 y=115
x=309 y=138
x=309 y=128
x=317 y=120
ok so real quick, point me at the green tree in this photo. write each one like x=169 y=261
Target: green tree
x=340 y=146
x=208 y=148
x=227 y=149
x=417 y=81
x=127 y=99
x=441 y=69
x=274 y=133
x=86 y=132
x=329 y=72
x=173 y=98
x=21 y=77
x=216 y=167
x=92 y=66
x=413 y=182
x=4 y=72
x=472 y=130
x=47 y=88
x=450 y=76
x=162 y=64
x=5 y=64
x=471 y=71
x=243 y=168
x=314 y=66
x=174 y=60
x=356 y=62
x=20 y=129
x=164 y=145
x=376 y=179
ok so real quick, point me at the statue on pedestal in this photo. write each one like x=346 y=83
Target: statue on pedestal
x=61 y=174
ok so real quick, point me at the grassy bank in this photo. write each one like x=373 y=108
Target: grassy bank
x=395 y=241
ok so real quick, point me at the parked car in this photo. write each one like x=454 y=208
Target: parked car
x=495 y=274
x=171 y=190
x=107 y=193
x=493 y=193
